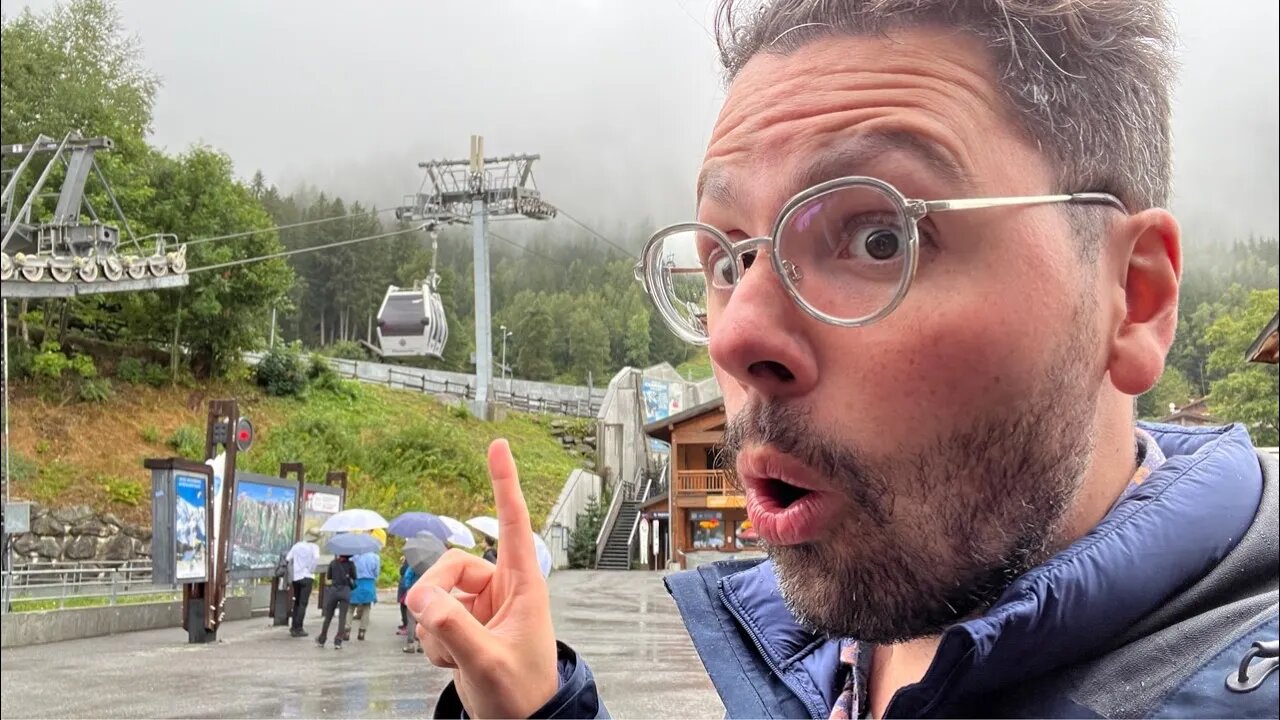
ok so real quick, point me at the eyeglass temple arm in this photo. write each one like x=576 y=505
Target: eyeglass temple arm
x=923 y=207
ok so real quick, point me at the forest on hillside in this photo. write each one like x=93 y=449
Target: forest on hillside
x=564 y=291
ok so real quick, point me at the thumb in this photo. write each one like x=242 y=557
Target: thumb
x=446 y=619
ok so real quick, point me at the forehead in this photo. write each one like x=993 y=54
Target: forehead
x=840 y=102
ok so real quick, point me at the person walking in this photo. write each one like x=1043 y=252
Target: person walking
x=407 y=578
x=342 y=579
x=402 y=590
x=368 y=567
x=490 y=552
x=302 y=559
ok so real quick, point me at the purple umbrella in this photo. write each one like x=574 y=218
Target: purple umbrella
x=413 y=524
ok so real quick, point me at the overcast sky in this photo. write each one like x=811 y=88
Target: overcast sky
x=618 y=96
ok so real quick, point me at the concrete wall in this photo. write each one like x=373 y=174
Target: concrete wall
x=578 y=490
x=622 y=445
x=38 y=628
x=620 y=437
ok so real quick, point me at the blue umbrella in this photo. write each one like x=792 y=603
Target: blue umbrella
x=352 y=544
x=413 y=524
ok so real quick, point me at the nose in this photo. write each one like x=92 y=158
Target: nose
x=758 y=337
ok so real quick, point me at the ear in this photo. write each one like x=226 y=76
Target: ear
x=1151 y=271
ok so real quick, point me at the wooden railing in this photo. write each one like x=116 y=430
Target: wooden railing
x=704 y=482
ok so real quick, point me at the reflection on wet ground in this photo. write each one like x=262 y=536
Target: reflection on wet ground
x=624 y=624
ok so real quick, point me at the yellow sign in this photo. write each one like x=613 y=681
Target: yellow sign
x=726 y=501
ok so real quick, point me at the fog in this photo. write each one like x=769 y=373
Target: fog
x=617 y=96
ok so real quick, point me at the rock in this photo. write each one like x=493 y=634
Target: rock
x=142 y=549
x=37 y=510
x=117 y=548
x=134 y=531
x=72 y=515
x=111 y=520
x=84 y=547
x=49 y=548
x=25 y=543
x=47 y=526
x=90 y=526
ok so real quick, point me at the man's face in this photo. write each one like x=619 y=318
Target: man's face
x=903 y=473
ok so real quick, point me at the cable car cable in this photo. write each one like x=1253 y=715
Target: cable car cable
x=304 y=223
x=584 y=226
x=299 y=251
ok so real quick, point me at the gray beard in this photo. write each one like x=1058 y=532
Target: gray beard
x=930 y=539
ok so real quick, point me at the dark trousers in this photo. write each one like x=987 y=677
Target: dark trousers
x=335 y=599
x=404 y=615
x=301 y=593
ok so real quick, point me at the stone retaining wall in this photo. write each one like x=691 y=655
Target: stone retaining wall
x=78 y=534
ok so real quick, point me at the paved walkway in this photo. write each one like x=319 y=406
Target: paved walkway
x=624 y=624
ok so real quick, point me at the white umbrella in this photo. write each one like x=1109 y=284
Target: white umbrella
x=459 y=533
x=485 y=525
x=489 y=526
x=543 y=553
x=352 y=520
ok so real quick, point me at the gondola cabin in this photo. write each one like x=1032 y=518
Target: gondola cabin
x=411 y=323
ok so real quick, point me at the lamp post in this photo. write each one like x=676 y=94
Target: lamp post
x=505 y=334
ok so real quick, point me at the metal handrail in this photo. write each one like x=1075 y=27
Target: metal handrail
x=615 y=505
x=635 y=524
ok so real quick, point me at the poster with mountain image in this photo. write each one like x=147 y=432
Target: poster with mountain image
x=263 y=526
x=190 y=532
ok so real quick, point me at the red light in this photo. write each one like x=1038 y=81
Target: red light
x=244 y=434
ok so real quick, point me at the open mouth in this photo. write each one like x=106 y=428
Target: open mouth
x=785 y=512
x=781 y=492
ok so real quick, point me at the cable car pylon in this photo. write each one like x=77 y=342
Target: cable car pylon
x=75 y=252
x=461 y=191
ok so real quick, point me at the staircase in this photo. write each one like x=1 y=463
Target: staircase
x=617 y=552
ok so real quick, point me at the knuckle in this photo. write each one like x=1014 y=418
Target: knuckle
x=442 y=620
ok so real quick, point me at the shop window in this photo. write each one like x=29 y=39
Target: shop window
x=707 y=529
x=745 y=535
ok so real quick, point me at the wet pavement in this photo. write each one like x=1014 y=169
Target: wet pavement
x=623 y=623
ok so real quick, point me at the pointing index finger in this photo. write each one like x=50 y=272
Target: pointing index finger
x=515 y=541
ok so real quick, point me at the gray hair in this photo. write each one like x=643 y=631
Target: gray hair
x=1088 y=81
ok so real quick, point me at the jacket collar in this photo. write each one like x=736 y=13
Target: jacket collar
x=1174 y=527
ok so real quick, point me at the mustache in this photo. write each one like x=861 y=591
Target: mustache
x=790 y=430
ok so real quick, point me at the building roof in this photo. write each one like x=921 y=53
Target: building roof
x=661 y=429
x=1266 y=348
x=1196 y=412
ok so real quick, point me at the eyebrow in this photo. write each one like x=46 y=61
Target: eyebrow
x=844 y=159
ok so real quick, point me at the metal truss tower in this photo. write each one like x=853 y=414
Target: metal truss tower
x=472 y=191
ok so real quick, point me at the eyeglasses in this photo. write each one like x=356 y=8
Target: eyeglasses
x=846 y=251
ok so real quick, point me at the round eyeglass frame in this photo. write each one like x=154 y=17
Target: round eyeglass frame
x=647 y=270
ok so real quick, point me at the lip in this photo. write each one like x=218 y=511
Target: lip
x=804 y=520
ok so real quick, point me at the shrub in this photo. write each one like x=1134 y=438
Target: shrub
x=150 y=434
x=282 y=371
x=122 y=491
x=155 y=375
x=22 y=468
x=94 y=390
x=582 y=543
x=187 y=442
x=130 y=370
x=60 y=377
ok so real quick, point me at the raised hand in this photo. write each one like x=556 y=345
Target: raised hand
x=492 y=623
